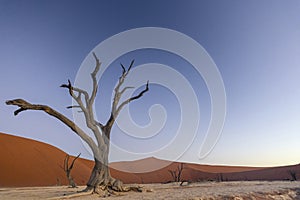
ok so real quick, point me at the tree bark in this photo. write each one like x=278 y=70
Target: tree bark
x=68 y=168
x=100 y=177
x=71 y=180
x=176 y=174
x=100 y=180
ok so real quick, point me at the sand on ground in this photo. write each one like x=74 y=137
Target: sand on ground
x=284 y=190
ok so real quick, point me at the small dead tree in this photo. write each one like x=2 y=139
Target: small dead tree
x=176 y=174
x=173 y=174
x=68 y=168
x=220 y=177
x=100 y=181
x=293 y=175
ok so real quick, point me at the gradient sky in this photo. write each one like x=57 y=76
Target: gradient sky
x=255 y=44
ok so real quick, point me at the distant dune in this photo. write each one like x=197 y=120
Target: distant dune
x=26 y=162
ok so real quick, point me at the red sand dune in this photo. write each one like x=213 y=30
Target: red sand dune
x=26 y=162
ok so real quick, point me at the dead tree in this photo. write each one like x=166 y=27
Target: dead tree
x=220 y=177
x=176 y=174
x=68 y=170
x=100 y=181
x=173 y=174
x=293 y=175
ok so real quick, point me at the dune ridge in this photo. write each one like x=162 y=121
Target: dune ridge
x=26 y=162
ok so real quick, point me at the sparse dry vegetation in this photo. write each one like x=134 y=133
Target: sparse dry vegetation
x=293 y=175
x=68 y=169
x=176 y=173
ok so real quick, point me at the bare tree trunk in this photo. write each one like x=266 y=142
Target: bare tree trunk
x=176 y=174
x=100 y=177
x=100 y=180
x=173 y=174
x=293 y=175
x=180 y=168
x=71 y=180
x=68 y=168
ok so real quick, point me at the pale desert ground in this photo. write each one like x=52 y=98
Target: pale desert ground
x=30 y=163
x=254 y=190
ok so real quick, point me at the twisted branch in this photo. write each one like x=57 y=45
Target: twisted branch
x=24 y=105
x=85 y=103
x=116 y=107
x=87 y=106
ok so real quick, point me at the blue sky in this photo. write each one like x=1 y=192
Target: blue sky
x=255 y=45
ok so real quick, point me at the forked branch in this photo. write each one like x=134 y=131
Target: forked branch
x=177 y=173
x=100 y=180
x=132 y=98
x=66 y=162
x=68 y=169
x=87 y=106
x=77 y=97
x=24 y=105
x=116 y=107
